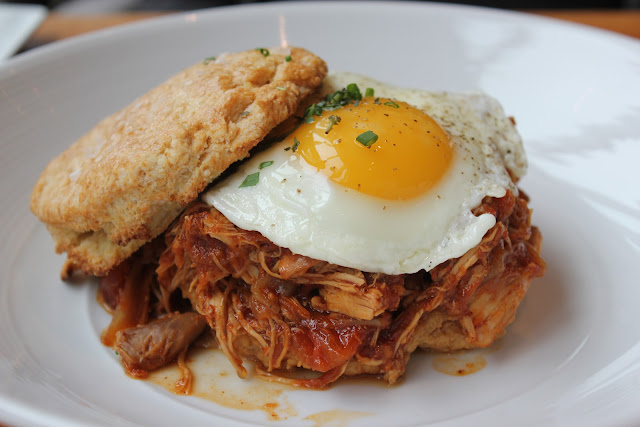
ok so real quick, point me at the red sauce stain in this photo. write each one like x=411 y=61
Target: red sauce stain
x=215 y=380
x=459 y=364
x=336 y=418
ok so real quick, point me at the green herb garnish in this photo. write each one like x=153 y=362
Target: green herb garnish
x=265 y=164
x=367 y=138
x=287 y=58
x=263 y=51
x=333 y=101
x=392 y=104
x=250 y=180
x=280 y=88
x=294 y=147
x=368 y=92
x=354 y=91
x=332 y=121
x=209 y=59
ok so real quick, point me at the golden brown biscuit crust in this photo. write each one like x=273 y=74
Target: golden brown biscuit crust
x=122 y=183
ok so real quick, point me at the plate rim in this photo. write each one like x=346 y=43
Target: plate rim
x=122 y=30
x=125 y=29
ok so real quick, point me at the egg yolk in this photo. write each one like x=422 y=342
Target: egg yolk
x=380 y=147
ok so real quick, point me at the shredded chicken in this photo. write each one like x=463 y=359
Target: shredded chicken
x=132 y=282
x=185 y=383
x=151 y=346
x=287 y=311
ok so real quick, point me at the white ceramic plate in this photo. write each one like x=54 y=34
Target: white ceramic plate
x=17 y=21
x=571 y=357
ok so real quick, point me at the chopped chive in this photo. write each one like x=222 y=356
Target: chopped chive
x=377 y=101
x=368 y=92
x=367 y=138
x=280 y=88
x=287 y=58
x=392 y=104
x=209 y=59
x=332 y=121
x=354 y=91
x=265 y=164
x=263 y=51
x=294 y=147
x=250 y=180
x=333 y=101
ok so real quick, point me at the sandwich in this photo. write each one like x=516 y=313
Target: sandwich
x=317 y=226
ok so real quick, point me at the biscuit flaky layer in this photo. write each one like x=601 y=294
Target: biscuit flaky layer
x=122 y=184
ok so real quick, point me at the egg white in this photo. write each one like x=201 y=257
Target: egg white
x=297 y=207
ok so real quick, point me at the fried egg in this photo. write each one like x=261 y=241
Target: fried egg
x=386 y=184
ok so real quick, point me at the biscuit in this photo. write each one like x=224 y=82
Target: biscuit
x=122 y=184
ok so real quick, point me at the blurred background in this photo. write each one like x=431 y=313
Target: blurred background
x=26 y=24
x=113 y=6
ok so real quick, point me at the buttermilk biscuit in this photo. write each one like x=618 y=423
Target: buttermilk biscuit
x=123 y=183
